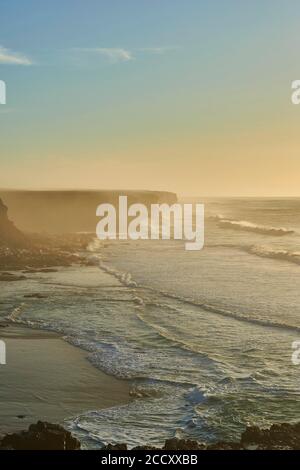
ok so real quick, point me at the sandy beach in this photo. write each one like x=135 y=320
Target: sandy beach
x=46 y=378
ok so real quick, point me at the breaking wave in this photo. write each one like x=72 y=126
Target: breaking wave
x=231 y=314
x=282 y=255
x=126 y=279
x=244 y=225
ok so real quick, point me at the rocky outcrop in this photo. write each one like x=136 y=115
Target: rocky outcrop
x=70 y=211
x=278 y=437
x=116 y=447
x=44 y=254
x=10 y=236
x=183 y=444
x=41 y=436
x=47 y=436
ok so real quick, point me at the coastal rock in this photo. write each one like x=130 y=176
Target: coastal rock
x=47 y=436
x=70 y=211
x=41 y=436
x=36 y=259
x=182 y=444
x=145 y=448
x=279 y=436
x=115 y=447
x=10 y=236
x=222 y=445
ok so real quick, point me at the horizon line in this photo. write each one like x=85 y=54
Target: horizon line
x=179 y=195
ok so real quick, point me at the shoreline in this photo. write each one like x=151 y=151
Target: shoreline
x=46 y=378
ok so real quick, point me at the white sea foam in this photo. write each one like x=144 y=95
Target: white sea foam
x=279 y=254
x=251 y=227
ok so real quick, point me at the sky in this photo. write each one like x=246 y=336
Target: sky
x=188 y=96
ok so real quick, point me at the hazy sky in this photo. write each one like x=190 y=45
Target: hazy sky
x=191 y=96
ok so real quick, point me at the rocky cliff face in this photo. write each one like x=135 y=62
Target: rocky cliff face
x=10 y=236
x=70 y=211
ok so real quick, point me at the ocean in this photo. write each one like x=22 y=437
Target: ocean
x=204 y=337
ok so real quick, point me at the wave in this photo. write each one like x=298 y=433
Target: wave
x=126 y=279
x=164 y=333
x=95 y=246
x=282 y=255
x=107 y=356
x=236 y=316
x=244 y=225
x=263 y=251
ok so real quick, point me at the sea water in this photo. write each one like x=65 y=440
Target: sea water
x=205 y=338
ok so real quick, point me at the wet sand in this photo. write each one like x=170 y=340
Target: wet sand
x=48 y=379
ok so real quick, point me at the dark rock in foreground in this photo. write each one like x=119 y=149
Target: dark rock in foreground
x=47 y=436
x=41 y=436
x=116 y=447
x=278 y=437
x=182 y=444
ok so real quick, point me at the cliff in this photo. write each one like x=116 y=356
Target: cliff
x=10 y=236
x=69 y=211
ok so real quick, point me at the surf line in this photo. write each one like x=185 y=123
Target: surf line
x=136 y=222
